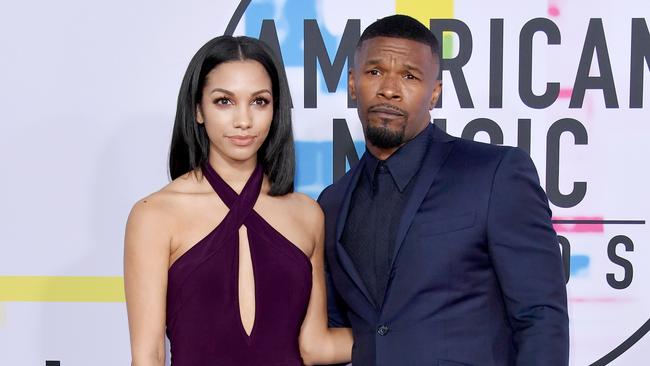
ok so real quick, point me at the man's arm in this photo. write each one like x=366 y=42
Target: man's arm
x=526 y=257
x=336 y=308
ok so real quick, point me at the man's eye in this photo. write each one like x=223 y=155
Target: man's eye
x=410 y=77
x=373 y=72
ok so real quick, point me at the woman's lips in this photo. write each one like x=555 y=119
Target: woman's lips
x=242 y=140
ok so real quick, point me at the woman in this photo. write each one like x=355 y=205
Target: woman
x=226 y=259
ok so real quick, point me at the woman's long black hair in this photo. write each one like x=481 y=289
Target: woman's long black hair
x=190 y=144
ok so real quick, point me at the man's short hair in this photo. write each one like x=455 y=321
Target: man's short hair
x=401 y=26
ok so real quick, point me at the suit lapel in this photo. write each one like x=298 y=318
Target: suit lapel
x=344 y=209
x=437 y=153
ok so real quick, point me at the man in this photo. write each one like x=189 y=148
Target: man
x=440 y=251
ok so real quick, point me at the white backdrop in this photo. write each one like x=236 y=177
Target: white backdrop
x=88 y=93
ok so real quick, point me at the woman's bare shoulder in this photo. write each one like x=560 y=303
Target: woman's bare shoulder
x=164 y=206
x=305 y=209
x=304 y=202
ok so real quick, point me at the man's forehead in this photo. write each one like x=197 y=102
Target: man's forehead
x=383 y=41
x=380 y=47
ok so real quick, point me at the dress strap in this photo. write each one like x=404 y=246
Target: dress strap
x=240 y=205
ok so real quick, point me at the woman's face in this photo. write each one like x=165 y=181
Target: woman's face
x=236 y=109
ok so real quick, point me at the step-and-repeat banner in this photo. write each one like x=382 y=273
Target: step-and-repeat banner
x=88 y=93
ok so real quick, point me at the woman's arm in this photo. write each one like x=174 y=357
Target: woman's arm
x=146 y=260
x=318 y=343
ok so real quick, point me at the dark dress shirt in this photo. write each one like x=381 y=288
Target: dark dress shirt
x=375 y=210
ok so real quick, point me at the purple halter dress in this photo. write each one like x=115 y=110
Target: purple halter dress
x=204 y=325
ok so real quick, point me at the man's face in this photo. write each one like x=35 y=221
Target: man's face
x=394 y=84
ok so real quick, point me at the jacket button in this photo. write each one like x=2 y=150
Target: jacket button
x=382 y=330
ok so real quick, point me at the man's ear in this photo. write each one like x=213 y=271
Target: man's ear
x=199 y=115
x=437 y=89
x=351 y=90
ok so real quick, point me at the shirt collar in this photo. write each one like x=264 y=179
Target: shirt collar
x=405 y=162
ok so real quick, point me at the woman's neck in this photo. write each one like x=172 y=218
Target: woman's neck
x=235 y=173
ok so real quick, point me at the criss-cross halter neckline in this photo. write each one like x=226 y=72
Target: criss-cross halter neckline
x=204 y=322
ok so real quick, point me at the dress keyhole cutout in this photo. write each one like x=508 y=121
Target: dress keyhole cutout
x=246 y=283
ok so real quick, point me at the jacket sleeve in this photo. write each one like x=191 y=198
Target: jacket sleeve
x=526 y=257
x=336 y=308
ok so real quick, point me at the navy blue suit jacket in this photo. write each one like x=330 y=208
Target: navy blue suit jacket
x=477 y=275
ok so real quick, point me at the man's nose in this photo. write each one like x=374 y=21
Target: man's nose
x=390 y=88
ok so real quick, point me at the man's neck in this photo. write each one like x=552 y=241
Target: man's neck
x=385 y=153
x=381 y=153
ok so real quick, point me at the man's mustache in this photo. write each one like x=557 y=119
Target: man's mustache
x=387 y=108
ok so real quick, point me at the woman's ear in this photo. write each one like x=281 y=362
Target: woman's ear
x=199 y=115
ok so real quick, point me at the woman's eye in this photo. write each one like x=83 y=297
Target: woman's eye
x=222 y=101
x=261 y=101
